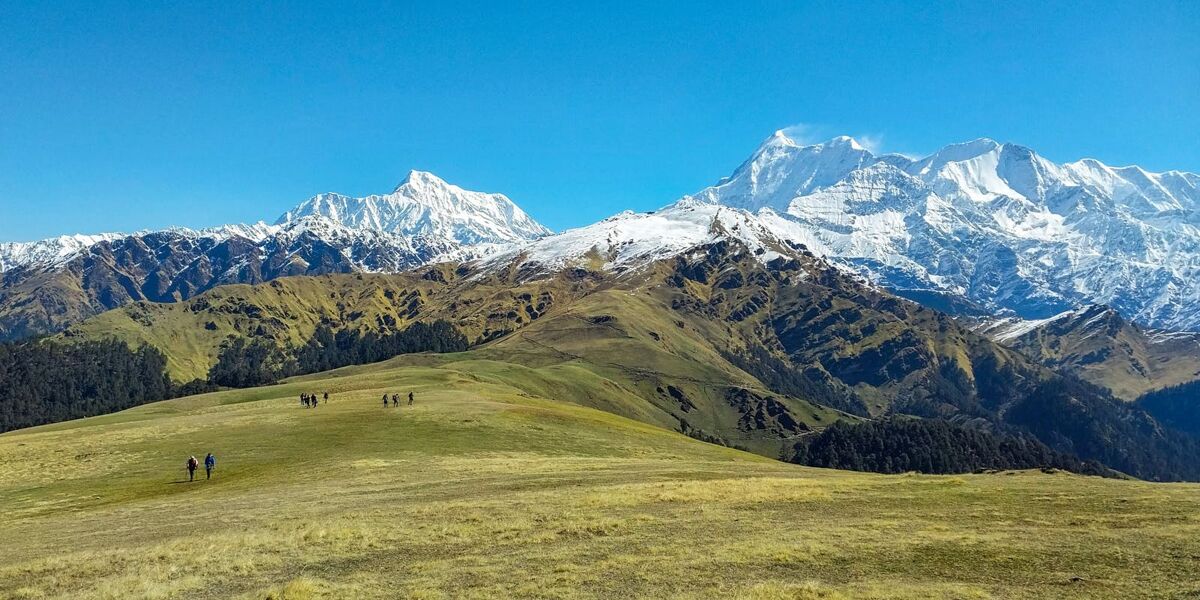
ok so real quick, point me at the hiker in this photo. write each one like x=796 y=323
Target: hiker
x=410 y=398
x=192 y=463
x=326 y=397
x=395 y=399
x=210 y=463
x=385 y=400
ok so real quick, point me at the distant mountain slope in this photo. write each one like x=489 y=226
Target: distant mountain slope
x=425 y=206
x=46 y=286
x=1176 y=406
x=992 y=223
x=1099 y=345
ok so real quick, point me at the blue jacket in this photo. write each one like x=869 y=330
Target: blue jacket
x=210 y=461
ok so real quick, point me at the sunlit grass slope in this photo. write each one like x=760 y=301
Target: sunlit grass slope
x=490 y=486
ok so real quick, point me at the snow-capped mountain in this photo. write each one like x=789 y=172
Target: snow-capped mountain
x=48 y=251
x=425 y=206
x=49 y=284
x=992 y=223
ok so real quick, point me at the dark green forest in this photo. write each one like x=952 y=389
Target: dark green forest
x=1069 y=416
x=245 y=363
x=43 y=382
x=1177 y=407
x=902 y=444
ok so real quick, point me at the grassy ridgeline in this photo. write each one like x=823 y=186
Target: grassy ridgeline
x=491 y=487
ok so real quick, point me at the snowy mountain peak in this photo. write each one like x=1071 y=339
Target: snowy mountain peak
x=49 y=251
x=424 y=205
x=416 y=178
x=779 y=138
x=993 y=222
x=781 y=168
x=628 y=241
x=845 y=140
x=425 y=218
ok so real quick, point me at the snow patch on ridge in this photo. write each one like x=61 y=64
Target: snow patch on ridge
x=631 y=240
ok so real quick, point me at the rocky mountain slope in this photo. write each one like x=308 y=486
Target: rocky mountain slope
x=991 y=224
x=45 y=286
x=1098 y=345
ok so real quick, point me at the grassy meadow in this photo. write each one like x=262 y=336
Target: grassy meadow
x=493 y=486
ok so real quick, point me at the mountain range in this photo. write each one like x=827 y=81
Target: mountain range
x=1097 y=344
x=48 y=285
x=994 y=225
x=981 y=227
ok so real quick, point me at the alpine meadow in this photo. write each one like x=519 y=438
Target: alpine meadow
x=888 y=365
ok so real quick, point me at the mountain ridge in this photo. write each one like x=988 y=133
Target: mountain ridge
x=1098 y=345
x=46 y=286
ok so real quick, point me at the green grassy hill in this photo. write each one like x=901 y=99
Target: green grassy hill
x=492 y=486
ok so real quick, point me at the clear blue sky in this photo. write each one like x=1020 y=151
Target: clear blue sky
x=120 y=116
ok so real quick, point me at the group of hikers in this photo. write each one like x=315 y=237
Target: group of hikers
x=210 y=463
x=311 y=400
x=396 y=399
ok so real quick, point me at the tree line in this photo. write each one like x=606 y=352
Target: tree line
x=902 y=444
x=1177 y=406
x=1070 y=416
x=248 y=363
x=45 y=381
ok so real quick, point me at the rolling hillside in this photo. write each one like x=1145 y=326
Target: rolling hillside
x=491 y=486
x=712 y=341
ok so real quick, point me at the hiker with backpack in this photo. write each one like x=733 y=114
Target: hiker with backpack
x=385 y=400
x=395 y=399
x=210 y=463
x=326 y=397
x=410 y=398
x=192 y=464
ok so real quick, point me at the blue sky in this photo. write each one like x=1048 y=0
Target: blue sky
x=120 y=116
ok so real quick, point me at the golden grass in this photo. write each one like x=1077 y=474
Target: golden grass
x=484 y=491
